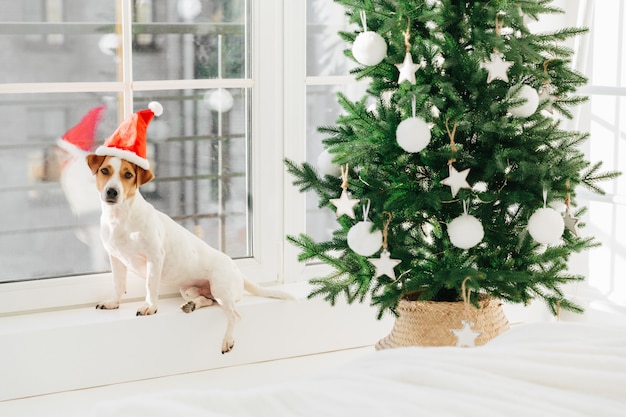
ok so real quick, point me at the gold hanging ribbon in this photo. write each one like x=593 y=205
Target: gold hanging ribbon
x=498 y=27
x=451 y=134
x=407 y=36
x=344 y=177
x=546 y=82
x=466 y=297
x=386 y=228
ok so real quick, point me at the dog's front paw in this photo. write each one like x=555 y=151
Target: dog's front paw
x=108 y=305
x=147 y=309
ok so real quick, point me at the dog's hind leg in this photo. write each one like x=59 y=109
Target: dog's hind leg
x=232 y=318
x=227 y=291
x=195 y=298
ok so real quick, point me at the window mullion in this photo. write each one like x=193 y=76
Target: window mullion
x=124 y=30
x=294 y=67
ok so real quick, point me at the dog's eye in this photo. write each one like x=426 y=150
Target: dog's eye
x=105 y=171
x=128 y=175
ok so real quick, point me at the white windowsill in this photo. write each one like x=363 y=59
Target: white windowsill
x=77 y=348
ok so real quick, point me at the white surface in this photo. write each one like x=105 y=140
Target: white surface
x=541 y=369
x=81 y=402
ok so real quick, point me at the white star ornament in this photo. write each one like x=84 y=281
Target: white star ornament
x=384 y=265
x=544 y=94
x=571 y=222
x=497 y=68
x=407 y=69
x=345 y=204
x=466 y=337
x=456 y=180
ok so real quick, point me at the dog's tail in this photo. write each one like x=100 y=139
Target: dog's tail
x=255 y=289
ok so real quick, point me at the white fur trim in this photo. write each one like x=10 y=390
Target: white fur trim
x=123 y=154
x=156 y=107
x=70 y=148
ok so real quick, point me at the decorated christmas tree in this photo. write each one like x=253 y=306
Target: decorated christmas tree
x=455 y=167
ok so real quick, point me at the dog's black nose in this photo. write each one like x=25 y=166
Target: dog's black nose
x=111 y=193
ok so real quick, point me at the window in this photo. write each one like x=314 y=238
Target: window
x=220 y=173
x=197 y=58
x=603 y=59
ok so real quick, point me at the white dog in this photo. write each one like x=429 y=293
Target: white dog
x=147 y=242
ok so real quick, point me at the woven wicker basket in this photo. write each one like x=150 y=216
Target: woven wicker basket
x=429 y=323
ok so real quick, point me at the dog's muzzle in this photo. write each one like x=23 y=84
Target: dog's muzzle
x=111 y=195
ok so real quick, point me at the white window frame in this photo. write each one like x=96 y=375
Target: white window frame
x=266 y=158
x=605 y=281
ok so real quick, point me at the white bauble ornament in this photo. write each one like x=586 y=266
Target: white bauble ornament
x=413 y=134
x=363 y=240
x=109 y=43
x=219 y=100
x=189 y=9
x=465 y=231
x=369 y=48
x=546 y=226
x=326 y=166
x=527 y=108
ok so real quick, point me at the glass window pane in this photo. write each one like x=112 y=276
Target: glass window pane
x=325 y=56
x=58 y=41
x=320 y=223
x=190 y=39
x=201 y=164
x=605 y=69
x=49 y=225
x=51 y=209
x=604 y=131
x=606 y=28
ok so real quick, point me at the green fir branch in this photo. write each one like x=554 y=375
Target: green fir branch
x=591 y=176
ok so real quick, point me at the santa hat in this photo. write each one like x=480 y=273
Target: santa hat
x=82 y=137
x=128 y=142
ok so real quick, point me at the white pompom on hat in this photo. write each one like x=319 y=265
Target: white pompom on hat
x=128 y=142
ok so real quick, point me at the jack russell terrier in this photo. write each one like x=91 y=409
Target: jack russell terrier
x=143 y=240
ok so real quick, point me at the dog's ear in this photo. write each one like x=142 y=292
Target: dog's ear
x=94 y=161
x=143 y=176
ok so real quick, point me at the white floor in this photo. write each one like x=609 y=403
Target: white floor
x=80 y=403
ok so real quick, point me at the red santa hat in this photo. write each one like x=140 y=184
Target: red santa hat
x=82 y=137
x=128 y=142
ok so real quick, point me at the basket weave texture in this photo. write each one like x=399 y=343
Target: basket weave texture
x=430 y=323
